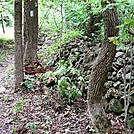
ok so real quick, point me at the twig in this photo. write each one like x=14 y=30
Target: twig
x=55 y=20
x=130 y=31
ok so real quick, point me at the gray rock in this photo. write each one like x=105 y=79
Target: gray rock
x=121 y=86
x=119 y=64
x=120 y=60
x=114 y=74
x=119 y=76
x=128 y=68
x=110 y=93
x=128 y=75
x=114 y=68
x=108 y=84
x=119 y=54
x=117 y=83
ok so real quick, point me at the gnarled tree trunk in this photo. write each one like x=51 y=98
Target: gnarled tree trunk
x=100 y=70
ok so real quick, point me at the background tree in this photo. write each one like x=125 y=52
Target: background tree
x=2 y=20
x=18 y=43
x=30 y=31
x=101 y=67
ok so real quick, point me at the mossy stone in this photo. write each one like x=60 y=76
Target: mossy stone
x=131 y=110
x=115 y=106
x=131 y=123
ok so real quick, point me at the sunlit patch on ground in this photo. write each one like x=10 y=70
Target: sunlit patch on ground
x=9 y=32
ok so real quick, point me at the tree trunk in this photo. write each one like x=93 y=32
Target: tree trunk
x=2 y=20
x=100 y=70
x=18 y=43
x=30 y=31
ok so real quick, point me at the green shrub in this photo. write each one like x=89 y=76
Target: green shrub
x=64 y=83
x=76 y=15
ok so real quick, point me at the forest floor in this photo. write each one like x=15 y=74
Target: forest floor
x=41 y=112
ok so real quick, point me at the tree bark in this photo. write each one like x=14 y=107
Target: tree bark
x=18 y=43
x=2 y=20
x=100 y=70
x=30 y=31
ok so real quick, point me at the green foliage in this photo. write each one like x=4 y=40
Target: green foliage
x=5 y=98
x=70 y=23
x=126 y=18
x=58 y=16
x=114 y=40
x=19 y=107
x=121 y=46
x=49 y=17
x=76 y=15
x=14 y=129
x=67 y=89
x=66 y=85
x=6 y=9
x=28 y=83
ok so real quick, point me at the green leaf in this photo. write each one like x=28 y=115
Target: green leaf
x=121 y=47
x=114 y=40
x=5 y=98
x=128 y=21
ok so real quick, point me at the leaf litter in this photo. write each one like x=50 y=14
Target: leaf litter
x=41 y=112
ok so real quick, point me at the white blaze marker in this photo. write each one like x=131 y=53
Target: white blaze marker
x=31 y=13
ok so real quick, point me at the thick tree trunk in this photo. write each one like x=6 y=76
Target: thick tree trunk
x=18 y=43
x=100 y=70
x=30 y=31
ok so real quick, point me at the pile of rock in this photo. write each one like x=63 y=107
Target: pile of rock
x=120 y=83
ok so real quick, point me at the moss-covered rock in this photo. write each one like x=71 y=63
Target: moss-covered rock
x=131 y=110
x=115 y=106
x=131 y=123
x=132 y=99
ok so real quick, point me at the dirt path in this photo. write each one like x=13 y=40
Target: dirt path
x=44 y=114
x=4 y=88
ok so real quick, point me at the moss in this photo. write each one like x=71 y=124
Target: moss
x=131 y=123
x=115 y=106
x=6 y=42
x=131 y=110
